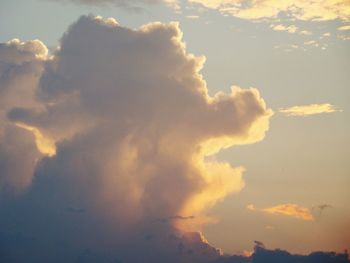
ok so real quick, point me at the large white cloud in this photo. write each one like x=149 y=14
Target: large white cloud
x=125 y=122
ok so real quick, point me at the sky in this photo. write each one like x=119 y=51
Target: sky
x=215 y=122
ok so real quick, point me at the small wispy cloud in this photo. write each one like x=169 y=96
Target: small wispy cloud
x=290 y=29
x=311 y=42
x=312 y=109
x=291 y=210
x=192 y=17
x=251 y=207
x=344 y=28
x=319 y=209
x=305 y=32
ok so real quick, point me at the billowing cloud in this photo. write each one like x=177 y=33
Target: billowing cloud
x=312 y=109
x=318 y=10
x=21 y=65
x=120 y=124
x=292 y=210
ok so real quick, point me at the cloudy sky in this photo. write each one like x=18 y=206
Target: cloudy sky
x=213 y=122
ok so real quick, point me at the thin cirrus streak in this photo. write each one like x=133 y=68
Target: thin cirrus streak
x=291 y=210
x=312 y=109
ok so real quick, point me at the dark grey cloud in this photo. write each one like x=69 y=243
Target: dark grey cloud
x=262 y=255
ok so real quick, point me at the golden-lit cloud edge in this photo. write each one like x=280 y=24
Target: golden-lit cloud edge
x=44 y=144
x=307 y=110
x=301 y=10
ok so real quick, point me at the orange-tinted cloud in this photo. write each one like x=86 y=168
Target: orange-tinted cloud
x=312 y=109
x=291 y=210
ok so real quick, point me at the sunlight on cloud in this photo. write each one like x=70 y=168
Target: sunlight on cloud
x=312 y=109
x=319 y=10
x=292 y=210
x=44 y=144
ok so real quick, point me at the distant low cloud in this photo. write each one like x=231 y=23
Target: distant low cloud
x=264 y=255
x=291 y=210
x=319 y=10
x=261 y=254
x=312 y=109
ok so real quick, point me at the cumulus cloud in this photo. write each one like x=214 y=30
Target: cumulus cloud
x=312 y=109
x=292 y=210
x=319 y=10
x=119 y=123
